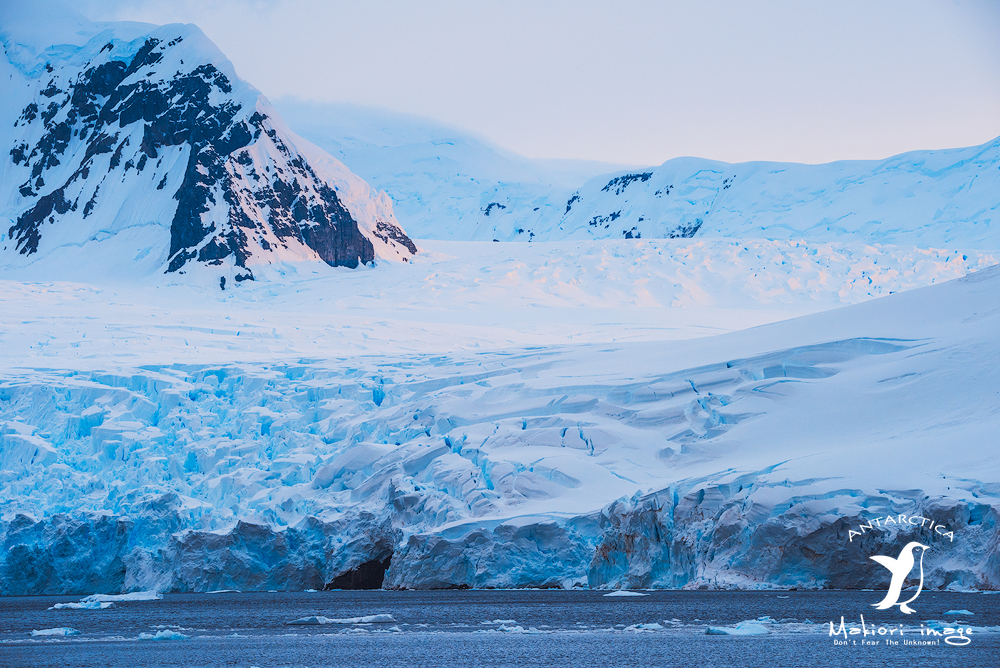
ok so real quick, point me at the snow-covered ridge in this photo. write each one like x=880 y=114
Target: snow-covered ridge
x=449 y=185
x=924 y=198
x=148 y=148
x=622 y=465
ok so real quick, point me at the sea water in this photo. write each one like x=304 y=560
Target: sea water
x=498 y=628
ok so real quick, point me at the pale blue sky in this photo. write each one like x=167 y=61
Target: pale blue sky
x=629 y=81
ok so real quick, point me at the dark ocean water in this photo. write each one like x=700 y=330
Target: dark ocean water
x=496 y=628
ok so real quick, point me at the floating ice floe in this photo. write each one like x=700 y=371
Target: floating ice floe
x=500 y=621
x=105 y=601
x=83 y=605
x=959 y=612
x=61 y=631
x=519 y=629
x=134 y=596
x=747 y=628
x=225 y=591
x=368 y=619
x=653 y=626
x=621 y=592
x=165 y=634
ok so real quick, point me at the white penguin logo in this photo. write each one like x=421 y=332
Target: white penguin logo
x=900 y=567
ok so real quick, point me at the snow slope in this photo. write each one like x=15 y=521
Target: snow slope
x=137 y=143
x=735 y=460
x=923 y=198
x=445 y=183
x=449 y=185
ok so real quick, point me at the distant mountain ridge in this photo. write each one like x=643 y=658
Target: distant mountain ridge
x=943 y=198
x=150 y=146
x=450 y=185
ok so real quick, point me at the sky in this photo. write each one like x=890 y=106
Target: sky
x=629 y=82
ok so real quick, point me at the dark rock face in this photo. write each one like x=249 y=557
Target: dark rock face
x=389 y=232
x=620 y=183
x=685 y=230
x=244 y=190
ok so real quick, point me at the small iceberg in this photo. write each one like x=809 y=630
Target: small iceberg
x=959 y=612
x=134 y=596
x=531 y=630
x=500 y=621
x=742 y=629
x=61 y=631
x=369 y=619
x=653 y=626
x=623 y=592
x=88 y=605
x=165 y=634
x=105 y=601
x=224 y=591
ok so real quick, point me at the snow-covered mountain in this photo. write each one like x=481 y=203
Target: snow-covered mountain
x=930 y=199
x=449 y=185
x=139 y=147
x=740 y=460
x=445 y=183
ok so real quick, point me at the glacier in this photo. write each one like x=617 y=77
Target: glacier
x=715 y=462
x=698 y=375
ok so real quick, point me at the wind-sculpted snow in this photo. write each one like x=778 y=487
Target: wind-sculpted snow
x=148 y=148
x=743 y=460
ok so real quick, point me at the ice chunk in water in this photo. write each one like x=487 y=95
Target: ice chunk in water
x=652 y=626
x=749 y=628
x=88 y=605
x=61 y=631
x=165 y=634
x=134 y=596
x=368 y=619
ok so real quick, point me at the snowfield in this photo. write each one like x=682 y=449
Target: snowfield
x=454 y=295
